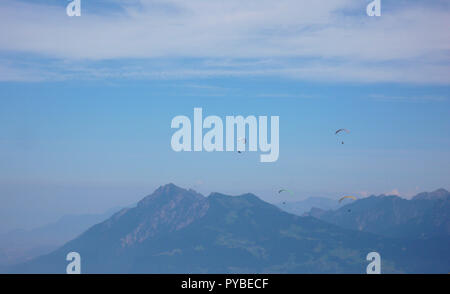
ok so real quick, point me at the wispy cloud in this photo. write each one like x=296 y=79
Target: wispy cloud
x=318 y=40
x=415 y=98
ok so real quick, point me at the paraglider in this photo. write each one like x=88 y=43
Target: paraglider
x=342 y=130
x=347 y=197
x=284 y=190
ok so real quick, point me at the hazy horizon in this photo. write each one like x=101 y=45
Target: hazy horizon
x=30 y=222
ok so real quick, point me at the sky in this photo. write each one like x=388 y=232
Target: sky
x=86 y=102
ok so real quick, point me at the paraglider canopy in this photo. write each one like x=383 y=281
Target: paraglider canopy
x=345 y=197
x=284 y=190
x=342 y=130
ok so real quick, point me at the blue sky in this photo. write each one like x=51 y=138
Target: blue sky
x=86 y=103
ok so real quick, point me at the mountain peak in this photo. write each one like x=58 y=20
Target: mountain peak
x=170 y=187
x=441 y=191
x=169 y=208
x=437 y=194
x=170 y=192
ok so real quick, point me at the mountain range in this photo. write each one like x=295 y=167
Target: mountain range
x=174 y=230
x=425 y=216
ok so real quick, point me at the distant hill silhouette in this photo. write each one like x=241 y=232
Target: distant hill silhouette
x=300 y=207
x=18 y=246
x=175 y=230
x=427 y=215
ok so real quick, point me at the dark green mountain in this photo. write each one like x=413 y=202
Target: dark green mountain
x=180 y=231
x=425 y=216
